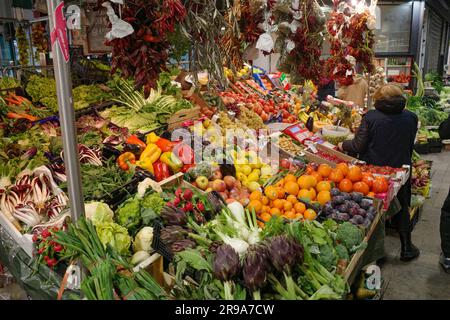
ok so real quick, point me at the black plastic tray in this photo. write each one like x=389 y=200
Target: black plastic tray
x=422 y=148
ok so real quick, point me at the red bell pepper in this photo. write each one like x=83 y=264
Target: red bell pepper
x=184 y=153
x=186 y=167
x=161 y=171
x=136 y=141
x=165 y=145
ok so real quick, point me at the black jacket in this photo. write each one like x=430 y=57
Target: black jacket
x=444 y=129
x=386 y=135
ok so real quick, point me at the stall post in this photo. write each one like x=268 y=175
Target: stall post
x=60 y=52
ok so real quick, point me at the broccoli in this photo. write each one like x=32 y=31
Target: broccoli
x=153 y=201
x=327 y=257
x=129 y=214
x=342 y=252
x=350 y=236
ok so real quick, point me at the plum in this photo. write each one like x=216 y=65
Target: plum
x=327 y=208
x=346 y=196
x=337 y=200
x=357 y=196
x=365 y=204
x=335 y=192
x=370 y=217
x=358 y=219
x=353 y=211
x=362 y=212
x=342 y=216
x=343 y=208
x=372 y=211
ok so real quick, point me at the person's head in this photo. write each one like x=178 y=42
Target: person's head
x=389 y=98
x=388 y=91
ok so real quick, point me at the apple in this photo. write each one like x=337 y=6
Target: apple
x=230 y=181
x=219 y=185
x=202 y=182
x=217 y=175
x=210 y=184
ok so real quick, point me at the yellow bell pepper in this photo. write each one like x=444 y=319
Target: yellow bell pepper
x=172 y=161
x=152 y=138
x=152 y=152
x=147 y=164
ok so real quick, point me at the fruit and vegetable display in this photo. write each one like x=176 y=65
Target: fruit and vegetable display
x=23 y=46
x=421 y=176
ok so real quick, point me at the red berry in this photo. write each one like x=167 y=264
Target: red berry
x=35 y=237
x=189 y=206
x=46 y=258
x=176 y=201
x=41 y=250
x=58 y=248
x=200 y=206
x=178 y=192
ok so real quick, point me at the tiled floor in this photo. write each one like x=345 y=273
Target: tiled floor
x=422 y=278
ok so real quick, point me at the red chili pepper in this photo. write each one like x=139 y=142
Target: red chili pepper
x=161 y=171
x=165 y=145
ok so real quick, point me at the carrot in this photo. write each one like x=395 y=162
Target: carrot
x=12 y=115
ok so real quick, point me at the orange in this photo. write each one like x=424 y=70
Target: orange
x=256 y=195
x=368 y=178
x=255 y=204
x=371 y=195
x=290 y=177
x=292 y=198
x=323 y=186
x=299 y=216
x=299 y=207
x=361 y=187
x=265 y=209
x=287 y=206
x=336 y=175
x=290 y=214
x=265 y=200
x=310 y=214
x=306 y=182
x=278 y=203
x=324 y=170
x=271 y=192
x=354 y=174
x=309 y=194
x=275 y=211
x=291 y=187
x=380 y=185
x=346 y=185
x=309 y=169
x=280 y=192
x=317 y=176
x=343 y=167
x=266 y=216
x=280 y=183
x=324 y=197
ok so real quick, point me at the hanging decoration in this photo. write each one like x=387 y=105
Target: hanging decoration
x=39 y=39
x=22 y=45
x=350 y=29
x=299 y=39
x=203 y=26
x=143 y=54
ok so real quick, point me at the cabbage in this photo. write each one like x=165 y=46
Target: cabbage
x=98 y=212
x=116 y=236
x=143 y=240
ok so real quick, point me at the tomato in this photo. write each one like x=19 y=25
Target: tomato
x=285 y=163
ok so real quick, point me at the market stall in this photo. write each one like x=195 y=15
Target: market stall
x=218 y=182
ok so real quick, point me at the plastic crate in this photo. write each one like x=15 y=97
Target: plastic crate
x=422 y=148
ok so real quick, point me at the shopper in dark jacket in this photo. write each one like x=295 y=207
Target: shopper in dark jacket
x=386 y=138
x=444 y=129
x=445 y=234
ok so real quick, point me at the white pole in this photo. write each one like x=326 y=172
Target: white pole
x=66 y=111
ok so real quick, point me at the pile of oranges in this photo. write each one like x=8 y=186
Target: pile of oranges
x=282 y=199
x=350 y=179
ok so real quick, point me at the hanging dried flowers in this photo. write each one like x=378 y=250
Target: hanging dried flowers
x=350 y=30
x=299 y=39
x=143 y=54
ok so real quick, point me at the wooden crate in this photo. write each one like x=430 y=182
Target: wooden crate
x=338 y=154
x=154 y=266
x=181 y=116
x=177 y=181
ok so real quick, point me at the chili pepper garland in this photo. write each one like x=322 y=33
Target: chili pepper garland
x=351 y=36
x=143 y=54
x=38 y=39
x=22 y=44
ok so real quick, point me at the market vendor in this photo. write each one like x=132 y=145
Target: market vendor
x=386 y=138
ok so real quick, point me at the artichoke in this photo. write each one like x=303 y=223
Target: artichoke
x=225 y=263
x=214 y=245
x=171 y=234
x=215 y=202
x=174 y=216
x=285 y=252
x=255 y=267
x=182 y=245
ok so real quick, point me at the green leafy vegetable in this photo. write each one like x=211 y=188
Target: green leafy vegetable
x=116 y=236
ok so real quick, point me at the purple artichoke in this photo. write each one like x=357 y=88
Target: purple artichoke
x=285 y=253
x=225 y=263
x=171 y=234
x=173 y=216
x=181 y=245
x=255 y=267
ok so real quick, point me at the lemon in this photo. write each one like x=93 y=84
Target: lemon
x=253 y=177
x=257 y=172
x=240 y=176
x=246 y=169
x=253 y=186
